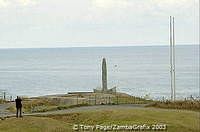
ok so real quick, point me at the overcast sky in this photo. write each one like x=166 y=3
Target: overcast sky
x=62 y=23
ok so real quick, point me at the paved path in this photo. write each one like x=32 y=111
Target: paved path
x=4 y=109
x=84 y=108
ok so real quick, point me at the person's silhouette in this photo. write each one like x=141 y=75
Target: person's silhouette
x=18 y=102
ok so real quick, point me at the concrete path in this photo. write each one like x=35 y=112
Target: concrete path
x=4 y=109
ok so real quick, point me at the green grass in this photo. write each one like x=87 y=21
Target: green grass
x=3 y=101
x=62 y=107
x=28 y=105
x=40 y=105
x=176 y=121
x=187 y=105
x=33 y=124
x=45 y=107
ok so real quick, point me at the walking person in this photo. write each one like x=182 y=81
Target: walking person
x=18 y=102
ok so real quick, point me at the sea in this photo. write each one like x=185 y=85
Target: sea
x=135 y=70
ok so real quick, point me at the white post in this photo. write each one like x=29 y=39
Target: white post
x=174 y=75
x=171 y=67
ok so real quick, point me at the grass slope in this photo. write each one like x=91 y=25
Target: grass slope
x=183 y=121
x=33 y=124
x=186 y=104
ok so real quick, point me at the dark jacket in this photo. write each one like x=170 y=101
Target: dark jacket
x=18 y=103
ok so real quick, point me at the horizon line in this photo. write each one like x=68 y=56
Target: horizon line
x=97 y=46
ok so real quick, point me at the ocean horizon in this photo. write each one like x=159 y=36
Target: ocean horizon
x=135 y=70
x=98 y=46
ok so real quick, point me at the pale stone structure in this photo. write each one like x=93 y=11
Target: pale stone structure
x=104 y=81
x=104 y=75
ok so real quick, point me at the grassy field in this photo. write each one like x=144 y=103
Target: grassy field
x=41 y=105
x=186 y=104
x=176 y=121
x=35 y=106
x=29 y=104
x=3 y=101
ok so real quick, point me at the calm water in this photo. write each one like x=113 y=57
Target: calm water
x=135 y=70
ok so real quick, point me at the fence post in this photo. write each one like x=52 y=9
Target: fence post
x=138 y=100
x=95 y=97
x=89 y=99
x=4 y=95
x=77 y=99
x=31 y=108
x=117 y=100
x=163 y=99
x=131 y=100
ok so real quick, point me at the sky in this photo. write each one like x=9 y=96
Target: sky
x=71 y=23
